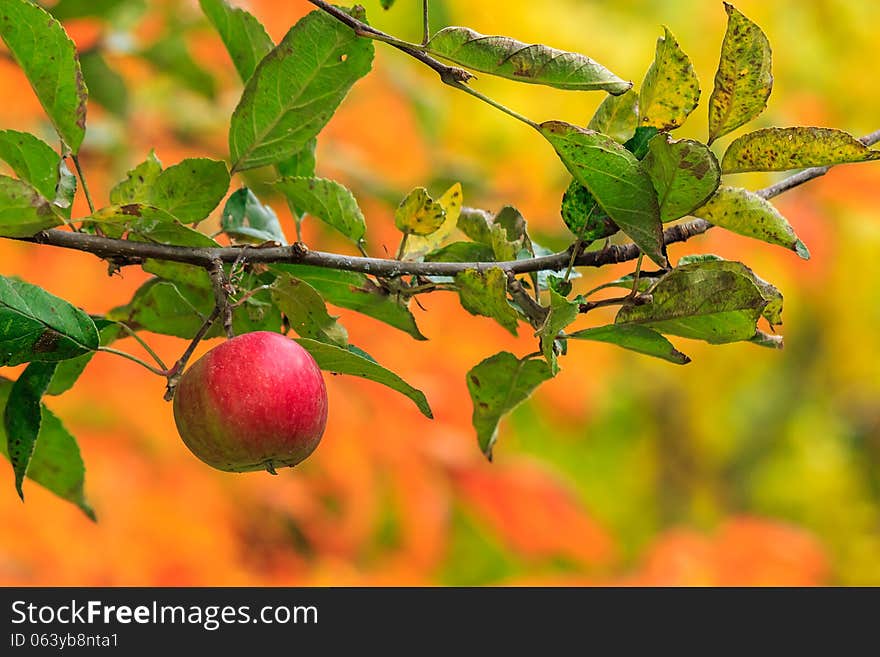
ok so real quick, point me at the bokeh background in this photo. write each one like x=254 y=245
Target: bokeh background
x=748 y=466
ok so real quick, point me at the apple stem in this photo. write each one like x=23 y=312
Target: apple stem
x=176 y=371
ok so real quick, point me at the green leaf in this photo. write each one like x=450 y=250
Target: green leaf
x=386 y=4
x=419 y=214
x=157 y=231
x=106 y=85
x=65 y=10
x=671 y=90
x=497 y=386
x=170 y=55
x=23 y=212
x=37 y=326
x=56 y=463
x=115 y=220
x=180 y=310
x=245 y=38
x=781 y=149
x=328 y=201
x=191 y=189
x=744 y=212
x=344 y=361
x=583 y=216
x=718 y=302
x=562 y=313
x=616 y=179
x=617 y=116
x=48 y=57
x=32 y=160
x=295 y=90
x=417 y=246
x=485 y=293
x=68 y=372
x=306 y=312
x=635 y=338
x=744 y=80
x=22 y=416
x=685 y=174
x=299 y=165
x=462 y=252
x=638 y=143
x=248 y=220
x=524 y=62
x=355 y=291
x=138 y=182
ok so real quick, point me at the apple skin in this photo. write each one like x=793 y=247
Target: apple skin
x=255 y=402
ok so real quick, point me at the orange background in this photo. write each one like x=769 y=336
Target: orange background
x=748 y=466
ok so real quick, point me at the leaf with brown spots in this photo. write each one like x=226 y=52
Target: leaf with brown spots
x=744 y=80
x=23 y=211
x=617 y=181
x=306 y=312
x=744 y=212
x=671 y=90
x=617 y=116
x=295 y=89
x=485 y=293
x=48 y=58
x=497 y=386
x=325 y=200
x=37 y=326
x=524 y=62
x=782 y=149
x=685 y=174
x=419 y=214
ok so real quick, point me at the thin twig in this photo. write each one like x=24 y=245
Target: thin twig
x=222 y=290
x=82 y=180
x=133 y=334
x=426 y=23
x=536 y=313
x=176 y=372
x=131 y=357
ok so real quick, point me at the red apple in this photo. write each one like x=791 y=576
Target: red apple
x=256 y=402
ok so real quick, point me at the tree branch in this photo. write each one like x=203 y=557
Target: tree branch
x=127 y=252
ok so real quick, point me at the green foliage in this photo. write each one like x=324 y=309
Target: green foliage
x=138 y=183
x=357 y=292
x=55 y=463
x=744 y=80
x=191 y=189
x=717 y=302
x=523 y=62
x=635 y=338
x=498 y=385
x=345 y=361
x=32 y=160
x=22 y=416
x=616 y=180
x=781 y=149
x=248 y=220
x=485 y=293
x=617 y=116
x=23 y=211
x=685 y=174
x=671 y=90
x=744 y=212
x=242 y=34
x=48 y=58
x=306 y=312
x=419 y=214
x=328 y=201
x=292 y=95
x=562 y=313
x=37 y=326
